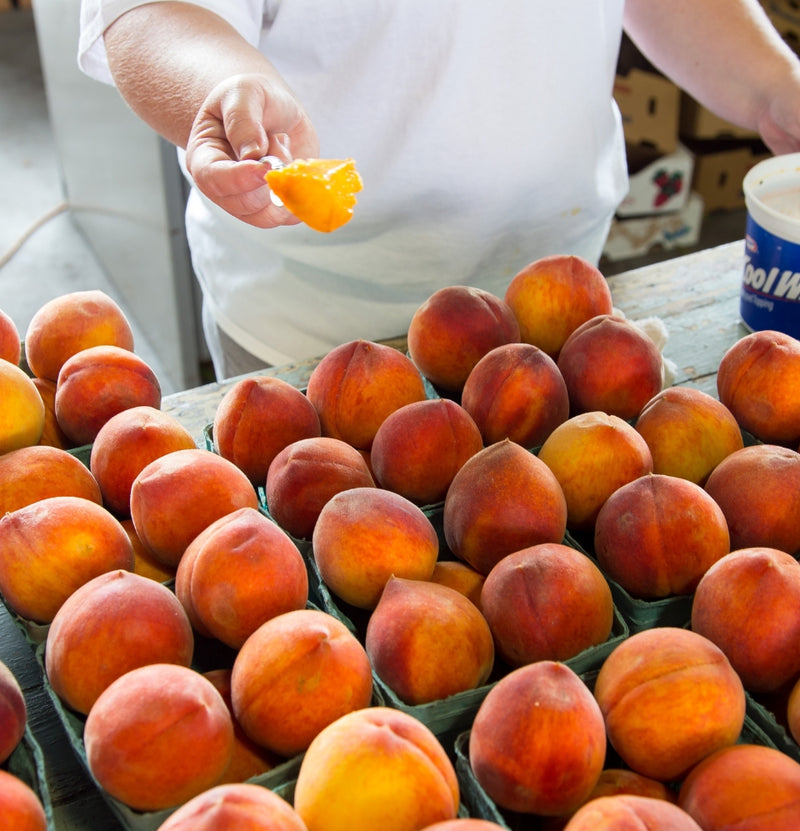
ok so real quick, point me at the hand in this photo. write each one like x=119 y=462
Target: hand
x=244 y=118
x=779 y=125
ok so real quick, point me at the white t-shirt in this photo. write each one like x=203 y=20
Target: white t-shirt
x=486 y=137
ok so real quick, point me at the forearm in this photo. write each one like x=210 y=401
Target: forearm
x=167 y=57
x=725 y=53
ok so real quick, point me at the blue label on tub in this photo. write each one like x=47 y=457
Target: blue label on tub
x=771 y=286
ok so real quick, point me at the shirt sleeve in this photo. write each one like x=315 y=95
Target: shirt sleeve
x=246 y=16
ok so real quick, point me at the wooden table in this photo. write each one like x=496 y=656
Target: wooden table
x=695 y=296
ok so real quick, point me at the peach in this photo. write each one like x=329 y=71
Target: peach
x=296 y=674
x=52 y=435
x=748 y=787
x=420 y=447
x=628 y=812
x=516 y=392
x=427 y=642
x=10 y=343
x=305 y=475
x=669 y=698
x=538 y=743
x=610 y=364
x=22 y=414
x=158 y=736
x=658 y=535
x=356 y=385
x=792 y=711
x=546 y=602
x=463 y=824
x=689 y=432
x=20 y=806
x=241 y=806
x=128 y=442
x=72 y=322
x=748 y=604
x=503 y=499
x=239 y=572
x=114 y=623
x=144 y=562
x=52 y=547
x=553 y=296
x=39 y=471
x=591 y=455
x=615 y=781
x=758 y=380
x=96 y=384
x=758 y=489
x=453 y=329
x=461 y=577
x=13 y=712
x=376 y=768
x=248 y=759
x=256 y=418
x=177 y=495
x=364 y=536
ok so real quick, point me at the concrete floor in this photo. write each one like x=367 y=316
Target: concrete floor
x=43 y=252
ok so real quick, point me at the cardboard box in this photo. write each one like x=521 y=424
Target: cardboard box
x=657 y=183
x=635 y=236
x=785 y=17
x=650 y=107
x=696 y=122
x=719 y=170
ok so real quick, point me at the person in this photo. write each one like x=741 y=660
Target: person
x=485 y=137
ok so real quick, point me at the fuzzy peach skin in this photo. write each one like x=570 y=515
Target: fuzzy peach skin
x=238 y=573
x=40 y=471
x=249 y=758
x=305 y=475
x=10 y=342
x=22 y=415
x=758 y=489
x=538 y=743
x=554 y=295
x=503 y=499
x=628 y=812
x=52 y=435
x=669 y=698
x=96 y=384
x=356 y=385
x=463 y=824
x=427 y=642
x=364 y=536
x=610 y=364
x=516 y=392
x=234 y=807
x=13 y=712
x=114 y=623
x=748 y=604
x=546 y=602
x=126 y=444
x=615 y=781
x=158 y=736
x=176 y=496
x=689 y=432
x=256 y=418
x=746 y=787
x=297 y=673
x=21 y=808
x=144 y=562
x=376 y=768
x=453 y=329
x=758 y=380
x=52 y=547
x=69 y=323
x=591 y=455
x=420 y=447
x=658 y=535
x=461 y=577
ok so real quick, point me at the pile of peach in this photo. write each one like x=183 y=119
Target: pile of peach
x=549 y=420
